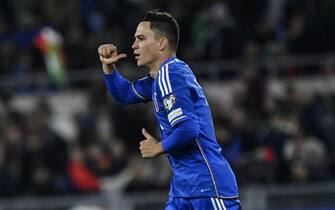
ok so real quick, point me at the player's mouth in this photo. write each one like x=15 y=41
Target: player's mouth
x=137 y=55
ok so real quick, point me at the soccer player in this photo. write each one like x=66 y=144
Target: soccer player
x=202 y=178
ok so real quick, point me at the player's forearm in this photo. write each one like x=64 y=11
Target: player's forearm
x=183 y=135
x=119 y=88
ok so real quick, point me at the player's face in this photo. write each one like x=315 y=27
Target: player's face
x=145 y=45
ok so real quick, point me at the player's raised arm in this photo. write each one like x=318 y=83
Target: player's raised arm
x=124 y=91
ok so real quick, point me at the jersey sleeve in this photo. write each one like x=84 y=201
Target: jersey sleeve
x=183 y=134
x=142 y=88
x=175 y=96
x=126 y=92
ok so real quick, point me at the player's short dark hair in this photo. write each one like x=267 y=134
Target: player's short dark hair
x=163 y=24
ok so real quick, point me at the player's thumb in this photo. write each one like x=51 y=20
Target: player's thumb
x=120 y=56
x=112 y=59
x=145 y=133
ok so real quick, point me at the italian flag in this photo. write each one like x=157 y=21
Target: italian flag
x=50 y=43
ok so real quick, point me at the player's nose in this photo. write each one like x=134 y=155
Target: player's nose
x=134 y=46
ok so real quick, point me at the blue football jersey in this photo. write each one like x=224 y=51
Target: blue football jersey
x=199 y=169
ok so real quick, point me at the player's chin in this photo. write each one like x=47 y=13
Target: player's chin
x=139 y=63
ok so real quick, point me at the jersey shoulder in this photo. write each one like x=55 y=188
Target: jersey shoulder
x=178 y=71
x=171 y=76
x=177 y=66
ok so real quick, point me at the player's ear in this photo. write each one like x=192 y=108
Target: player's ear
x=163 y=43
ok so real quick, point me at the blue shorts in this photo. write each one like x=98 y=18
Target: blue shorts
x=202 y=204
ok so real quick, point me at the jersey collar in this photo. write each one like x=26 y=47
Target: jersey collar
x=164 y=63
x=167 y=61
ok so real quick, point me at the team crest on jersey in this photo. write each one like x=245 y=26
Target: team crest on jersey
x=169 y=102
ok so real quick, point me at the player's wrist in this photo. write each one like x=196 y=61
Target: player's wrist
x=159 y=148
x=108 y=68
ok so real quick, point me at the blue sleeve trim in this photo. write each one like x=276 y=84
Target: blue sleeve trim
x=176 y=115
x=136 y=93
x=178 y=120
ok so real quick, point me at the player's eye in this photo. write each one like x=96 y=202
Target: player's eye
x=140 y=37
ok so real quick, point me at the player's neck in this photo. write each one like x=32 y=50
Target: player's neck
x=154 y=69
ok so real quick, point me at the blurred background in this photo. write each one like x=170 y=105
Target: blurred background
x=266 y=66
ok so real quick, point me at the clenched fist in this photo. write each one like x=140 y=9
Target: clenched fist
x=109 y=56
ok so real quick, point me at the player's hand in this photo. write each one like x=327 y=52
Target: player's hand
x=150 y=147
x=109 y=56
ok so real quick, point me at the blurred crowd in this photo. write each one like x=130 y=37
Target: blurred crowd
x=277 y=139
x=36 y=158
x=266 y=139
x=214 y=29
